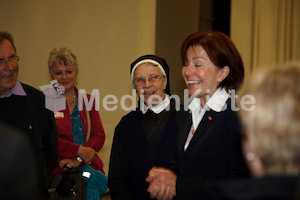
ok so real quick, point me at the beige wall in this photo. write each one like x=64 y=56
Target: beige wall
x=175 y=20
x=266 y=32
x=106 y=35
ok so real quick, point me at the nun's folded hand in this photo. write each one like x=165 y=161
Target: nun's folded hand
x=162 y=183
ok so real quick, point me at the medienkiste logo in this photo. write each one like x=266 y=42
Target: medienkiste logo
x=54 y=100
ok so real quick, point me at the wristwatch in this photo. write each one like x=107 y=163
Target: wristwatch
x=79 y=159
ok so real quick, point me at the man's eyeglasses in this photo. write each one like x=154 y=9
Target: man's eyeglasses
x=12 y=59
x=142 y=81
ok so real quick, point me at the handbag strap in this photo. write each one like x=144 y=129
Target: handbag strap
x=88 y=118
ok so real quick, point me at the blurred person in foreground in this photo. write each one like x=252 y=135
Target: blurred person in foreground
x=77 y=150
x=23 y=107
x=209 y=133
x=17 y=182
x=146 y=136
x=272 y=138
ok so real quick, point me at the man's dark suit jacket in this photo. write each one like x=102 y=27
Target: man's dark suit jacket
x=29 y=115
x=214 y=152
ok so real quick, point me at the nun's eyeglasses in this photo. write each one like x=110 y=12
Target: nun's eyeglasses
x=142 y=81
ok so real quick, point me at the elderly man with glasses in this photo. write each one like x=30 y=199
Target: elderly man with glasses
x=23 y=107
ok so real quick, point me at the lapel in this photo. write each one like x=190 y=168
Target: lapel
x=209 y=119
x=184 y=128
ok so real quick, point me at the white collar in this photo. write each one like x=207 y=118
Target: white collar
x=216 y=102
x=157 y=109
x=195 y=104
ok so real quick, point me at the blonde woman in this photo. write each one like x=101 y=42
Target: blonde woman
x=272 y=137
x=74 y=152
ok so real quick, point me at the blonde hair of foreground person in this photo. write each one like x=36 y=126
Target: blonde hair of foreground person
x=273 y=128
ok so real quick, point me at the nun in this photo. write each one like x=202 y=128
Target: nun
x=145 y=137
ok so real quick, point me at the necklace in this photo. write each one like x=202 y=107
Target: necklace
x=74 y=100
x=156 y=125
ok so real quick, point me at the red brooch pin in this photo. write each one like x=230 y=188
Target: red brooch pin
x=209 y=117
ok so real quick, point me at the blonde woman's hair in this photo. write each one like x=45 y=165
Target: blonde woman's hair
x=273 y=127
x=62 y=54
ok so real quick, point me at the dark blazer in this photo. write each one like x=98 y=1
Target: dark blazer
x=129 y=161
x=213 y=153
x=28 y=114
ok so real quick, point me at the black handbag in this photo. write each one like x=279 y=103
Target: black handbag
x=68 y=185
